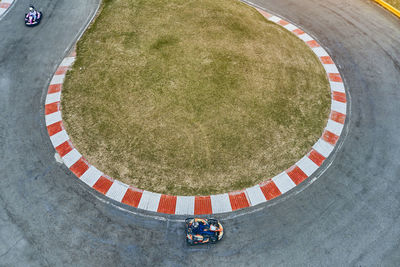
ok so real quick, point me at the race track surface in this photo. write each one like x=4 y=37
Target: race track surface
x=349 y=215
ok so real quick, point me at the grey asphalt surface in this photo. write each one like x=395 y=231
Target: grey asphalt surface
x=349 y=215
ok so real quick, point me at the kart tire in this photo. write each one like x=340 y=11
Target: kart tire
x=213 y=240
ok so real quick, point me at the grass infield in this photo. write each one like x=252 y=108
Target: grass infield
x=192 y=97
x=394 y=3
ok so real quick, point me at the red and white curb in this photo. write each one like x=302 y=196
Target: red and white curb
x=195 y=205
x=4 y=5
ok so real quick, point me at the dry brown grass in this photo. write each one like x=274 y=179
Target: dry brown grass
x=192 y=97
x=394 y=3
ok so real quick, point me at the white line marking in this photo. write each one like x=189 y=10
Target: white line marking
x=184 y=205
x=117 y=191
x=149 y=201
x=307 y=166
x=255 y=195
x=71 y=158
x=283 y=182
x=59 y=138
x=323 y=148
x=51 y=98
x=53 y=118
x=220 y=203
x=91 y=176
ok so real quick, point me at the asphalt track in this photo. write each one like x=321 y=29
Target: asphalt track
x=347 y=214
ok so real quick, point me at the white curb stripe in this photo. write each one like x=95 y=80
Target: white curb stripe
x=305 y=37
x=275 y=19
x=330 y=68
x=59 y=138
x=149 y=201
x=117 y=191
x=338 y=106
x=57 y=79
x=283 y=182
x=320 y=52
x=335 y=86
x=91 y=176
x=53 y=118
x=307 y=166
x=323 y=147
x=71 y=158
x=184 y=205
x=255 y=195
x=220 y=203
x=290 y=27
x=51 y=98
x=334 y=127
x=67 y=62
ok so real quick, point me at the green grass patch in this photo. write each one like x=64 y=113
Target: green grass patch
x=192 y=97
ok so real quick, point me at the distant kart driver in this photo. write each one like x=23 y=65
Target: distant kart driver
x=32 y=13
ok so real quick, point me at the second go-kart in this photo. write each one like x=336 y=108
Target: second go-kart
x=202 y=231
x=33 y=17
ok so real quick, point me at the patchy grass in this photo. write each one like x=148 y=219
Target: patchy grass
x=394 y=3
x=192 y=97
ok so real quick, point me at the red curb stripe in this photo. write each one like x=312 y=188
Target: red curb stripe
x=73 y=53
x=335 y=77
x=64 y=148
x=316 y=157
x=283 y=22
x=61 y=70
x=265 y=14
x=4 y=5
x=270 y=190
x=51 y=108
x=79 y=167
x=330 y=137
x=103 y=184
x=298 y=32
x=326 y=60
x=167 y=204
x=338 y=117
x=296 y=174
x=55 y=128
x=54 y=88
x=132 y=197
x=312 y=43
x=202 y=205
x=238 y=200
x=339 y=96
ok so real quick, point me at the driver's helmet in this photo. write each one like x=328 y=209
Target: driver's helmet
x=31 y=8
x=195 y=224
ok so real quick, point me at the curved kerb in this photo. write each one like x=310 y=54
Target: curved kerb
x=196 y=205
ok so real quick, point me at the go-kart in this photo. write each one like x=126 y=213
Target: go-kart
x=202 y=231
x=30 y=21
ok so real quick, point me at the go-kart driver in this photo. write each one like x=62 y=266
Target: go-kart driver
x=200 y=226
x=32 y=12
